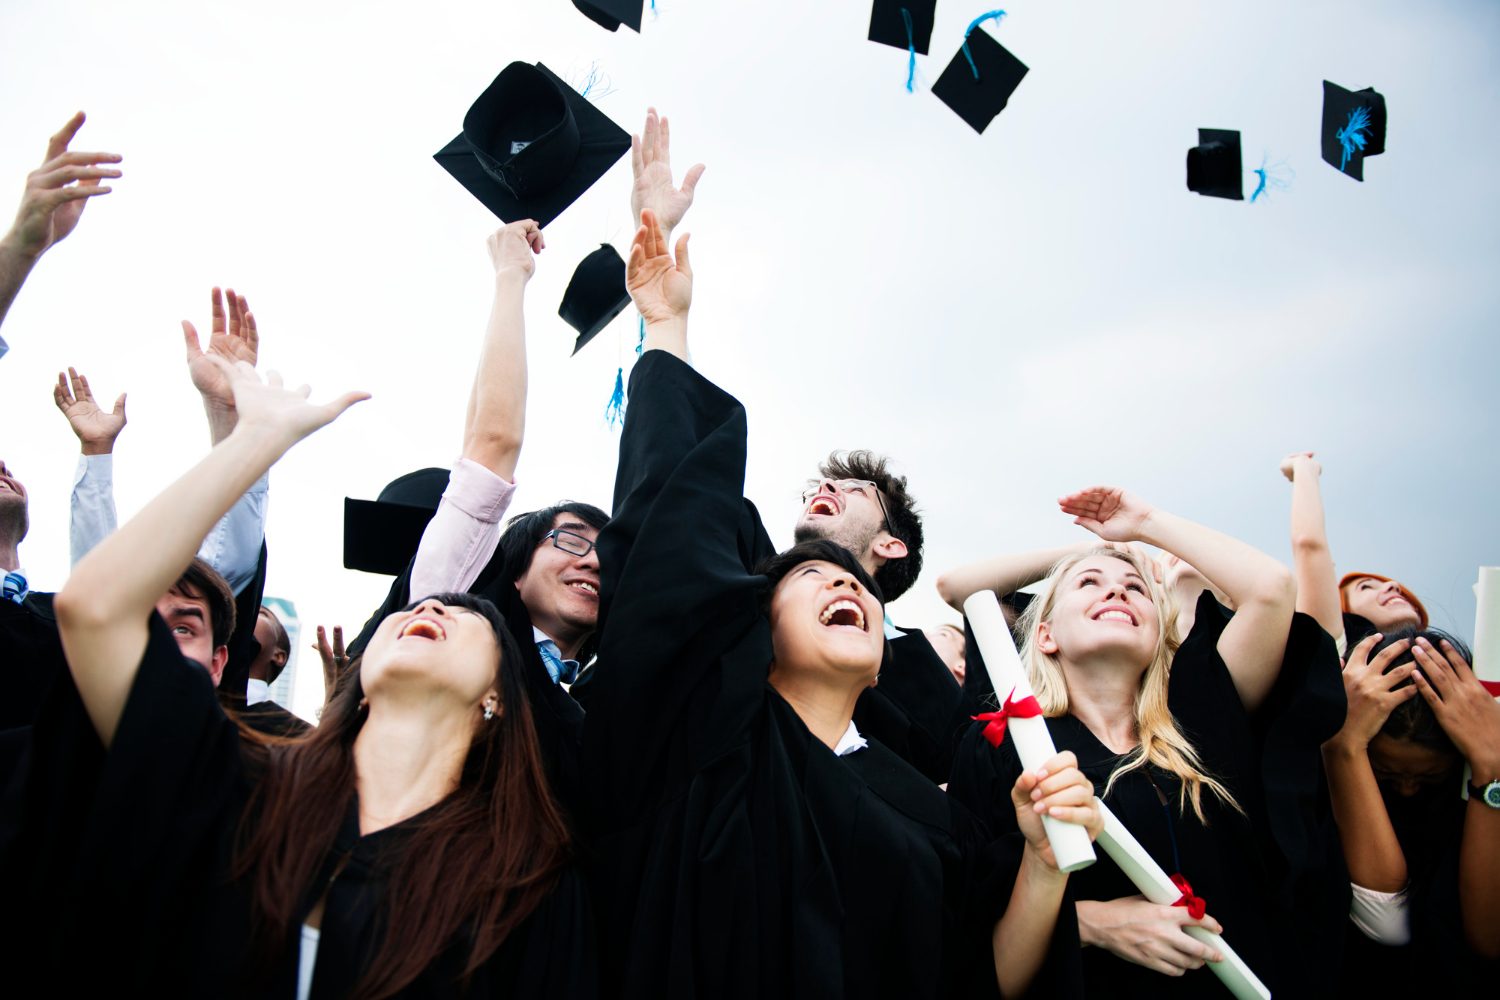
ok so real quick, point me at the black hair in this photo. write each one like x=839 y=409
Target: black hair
x=202 y=581
x=1413 y=721
x=525 y=531
x=903 y=520
x=776 y=567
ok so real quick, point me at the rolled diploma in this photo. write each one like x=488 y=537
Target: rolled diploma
x=1156 y=885
x=1487 y=624
x=1070 y=842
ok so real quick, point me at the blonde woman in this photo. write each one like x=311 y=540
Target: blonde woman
x=1174 y=733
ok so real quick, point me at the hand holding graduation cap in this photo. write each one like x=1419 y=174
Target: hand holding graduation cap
x=651 y=164
x=513 y=246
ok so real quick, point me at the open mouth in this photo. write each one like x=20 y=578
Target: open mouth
x=423 y=628
x=585 y=586
x=1116 y=615
x=843 y=614
x=826 y=506
x=1393 y=599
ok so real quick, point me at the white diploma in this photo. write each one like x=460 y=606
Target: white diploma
x=1157 y=886
x=1487 y=624
x=1070 y=842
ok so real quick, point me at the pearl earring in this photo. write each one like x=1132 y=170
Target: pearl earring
x=489 y=713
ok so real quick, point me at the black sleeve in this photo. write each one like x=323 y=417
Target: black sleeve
x=916 y=708
x=243 y=649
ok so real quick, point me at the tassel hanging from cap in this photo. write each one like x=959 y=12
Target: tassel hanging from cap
x=614 y=411
x=1273 y=177
x=595 y=83
x=991 y=15
x=640 y=340
x=1352 y=136
x=911 y=49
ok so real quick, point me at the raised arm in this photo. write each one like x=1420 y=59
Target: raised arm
x=103 y=610
x=56 y=193
x=92 y=514
x=1312 y=562
x=661 y=287
x=1253 y=644
x=1004 y=574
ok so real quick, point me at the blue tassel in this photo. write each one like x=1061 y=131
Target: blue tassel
x=911 y=49
x=640 y=341
x=1352 y=136
x=1273 y=177
x=653 y=6
x=595 y=84
x=993 y=15
x=1260 y=187
x=614 y=413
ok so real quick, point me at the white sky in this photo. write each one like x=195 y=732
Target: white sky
x=1012 y=316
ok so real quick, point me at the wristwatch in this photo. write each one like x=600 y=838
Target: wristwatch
x=1488 y=794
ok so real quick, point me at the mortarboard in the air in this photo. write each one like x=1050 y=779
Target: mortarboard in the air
x=1353 y=128
x=611 y=14
x=889 y=26
x=382 y=535
x=595 y=295
x=1213 y=166
x=531 y=145
x=980 y=79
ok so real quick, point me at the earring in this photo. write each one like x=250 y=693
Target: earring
x=489 y=713
x=364 y=703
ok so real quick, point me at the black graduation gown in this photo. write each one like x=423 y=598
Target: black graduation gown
x=1273 y=877
x=129 y=851
x=737 y=855
x=273 y=720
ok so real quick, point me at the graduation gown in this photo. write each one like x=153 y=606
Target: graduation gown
x=130 y=851
x=1273 y=876
x=737 y=856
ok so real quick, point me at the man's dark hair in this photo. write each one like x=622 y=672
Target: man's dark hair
x=897 y=575
x=202 y=581
x=1413 y=721
x=283 y=643
x=525 y=531
x=778 y=566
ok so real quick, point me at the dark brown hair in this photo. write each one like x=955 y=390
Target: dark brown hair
x=897 y=575
x=202 y=581
x=476 y=866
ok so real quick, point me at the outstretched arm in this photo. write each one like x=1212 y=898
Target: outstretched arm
x=103 y=610
x=93 y=502
x=651 y=163
x=495 y=423
x=1004 y=574
x=661 y=288
x=56 y=193
x=1312 y=562
x=1253 y=644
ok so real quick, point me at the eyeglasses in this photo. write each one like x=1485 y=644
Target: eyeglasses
x=570 y=542
x=862 y=487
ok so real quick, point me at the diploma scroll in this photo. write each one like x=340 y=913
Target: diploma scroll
x=1487 y=624
x=1157 y=886
x=1070 y=842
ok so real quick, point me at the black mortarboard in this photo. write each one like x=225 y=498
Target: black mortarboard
x=596 y=294
x=382 y=535
x=1213 y=166
x=889 y=27
x=612 y=13
x=980 y=79
x=531 y=145
x=1353 y=127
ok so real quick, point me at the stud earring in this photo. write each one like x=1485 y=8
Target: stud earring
x=364 y=703
x=489 y=713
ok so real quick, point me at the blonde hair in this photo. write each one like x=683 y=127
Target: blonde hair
x=1161 y=742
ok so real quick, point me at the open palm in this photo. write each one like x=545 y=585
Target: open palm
x=234 y=341
x=1107 y=511
x=76 y=401
x=661 y=287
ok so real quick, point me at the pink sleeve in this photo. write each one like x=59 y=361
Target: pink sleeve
x=464 y=533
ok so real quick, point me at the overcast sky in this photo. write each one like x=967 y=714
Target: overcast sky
x=1011 y=316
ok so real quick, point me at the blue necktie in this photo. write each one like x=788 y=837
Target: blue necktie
x=563 y=671
x=14 y=587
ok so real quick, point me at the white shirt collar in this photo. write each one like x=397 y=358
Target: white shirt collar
x=850 y=741
x=891 y=631
x=256 y=691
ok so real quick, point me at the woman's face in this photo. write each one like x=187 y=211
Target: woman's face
x=823 y=620
x=1103 y=607
x=445 y=649
x=1380 y=603
x=1408 y=768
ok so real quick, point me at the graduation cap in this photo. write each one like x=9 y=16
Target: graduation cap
x=980 y=79
x=595 y=295
x=1353 y=128
x=1213 y=166
x=904 y=24
x=382 y=535
x=531 y=145
x=611 y=14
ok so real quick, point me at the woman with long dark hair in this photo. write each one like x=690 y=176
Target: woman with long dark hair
x=410 y=846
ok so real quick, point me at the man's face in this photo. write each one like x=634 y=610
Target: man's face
x=846 y=511
x=14 y=520
x=560 y=588
x=271 y=659
x=187 y=615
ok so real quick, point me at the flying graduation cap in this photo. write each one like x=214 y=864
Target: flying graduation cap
x=1213 y=166
x=610 y=14
x=595 y=295
x=983 y=74
x=904 y=24
x=382 y=535
x=1353 y=128
x=531 y=145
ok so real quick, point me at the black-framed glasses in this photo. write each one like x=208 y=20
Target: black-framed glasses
x=570 y=542
x=862 y=487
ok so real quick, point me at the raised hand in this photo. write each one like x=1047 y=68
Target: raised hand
x=1108 y=511
x=651 y=164
x=1299 y=461
x=1371 y=690
x=1147 y=933
x=662 y=289
x=1465 y=710
x=335 y=661
x=1057 y=789
x=268 y=407
x=57 y=191
x=96 y=428
x=235 y=341
x=513 y=248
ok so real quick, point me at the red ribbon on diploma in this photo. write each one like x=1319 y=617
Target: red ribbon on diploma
x=1026 y=708
x=1196 y=907
x=1493 y=687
